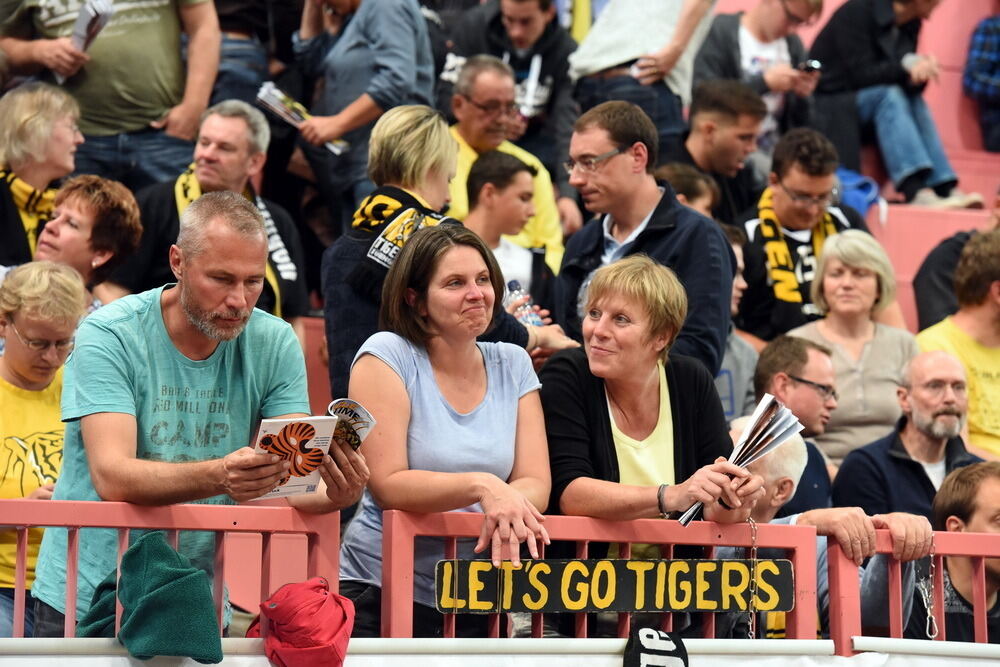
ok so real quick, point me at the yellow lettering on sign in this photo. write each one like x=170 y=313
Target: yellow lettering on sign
x=661 y=585
x=701 y=585
x=476 y=585
x=534 y=571
x=731 y=590
x=582 y=588
x=507 y=590
x=607 y=570
x=640 y=568
x=448 y=602
x=764 y=586
x=673 y=586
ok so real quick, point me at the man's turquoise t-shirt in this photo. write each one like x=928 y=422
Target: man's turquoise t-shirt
x=185 y=410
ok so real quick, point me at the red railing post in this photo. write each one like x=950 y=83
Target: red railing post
x=845 y=599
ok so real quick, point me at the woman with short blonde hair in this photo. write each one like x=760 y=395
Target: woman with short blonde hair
x=854 y=281
x=40 y=306
x=38 y=139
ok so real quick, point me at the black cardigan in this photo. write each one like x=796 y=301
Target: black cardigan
x=579 y=428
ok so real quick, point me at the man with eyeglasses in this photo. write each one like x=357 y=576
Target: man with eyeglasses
x=760 y=48
x=799 y=373
x=973 y=336
x=484 y=104
x=902 y=471
x=526 y=35
x=787 y=228
x=612 y=155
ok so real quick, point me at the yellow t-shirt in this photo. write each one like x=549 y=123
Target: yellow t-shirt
x=543 y=229
x=647 y=462
x=982 y=368
x=31 y=444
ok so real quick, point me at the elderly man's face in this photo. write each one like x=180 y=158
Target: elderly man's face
x=936 y=400
x=484 y=115
x=223 y=159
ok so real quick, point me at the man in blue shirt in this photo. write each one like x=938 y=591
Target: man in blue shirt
x=162 y=394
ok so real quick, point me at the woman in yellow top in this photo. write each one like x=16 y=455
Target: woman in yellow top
x=38 y=140
x=40 y=306
x=635 y=432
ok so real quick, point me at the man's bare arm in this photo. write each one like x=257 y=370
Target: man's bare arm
x=110 y=442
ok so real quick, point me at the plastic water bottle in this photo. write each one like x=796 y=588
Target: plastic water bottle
x=525 y=313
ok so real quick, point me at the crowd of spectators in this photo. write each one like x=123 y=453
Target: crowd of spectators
x=662 y=180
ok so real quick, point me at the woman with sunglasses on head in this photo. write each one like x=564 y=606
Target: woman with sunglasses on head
x=38 y=140
x=40 y=305
x=854 y=281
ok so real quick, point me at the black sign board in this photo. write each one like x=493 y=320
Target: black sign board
x=553 y=586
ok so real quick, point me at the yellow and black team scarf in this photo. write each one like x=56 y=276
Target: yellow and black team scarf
x=780 y=262
x=34 y=206
x=187 y=189
x=390 y=215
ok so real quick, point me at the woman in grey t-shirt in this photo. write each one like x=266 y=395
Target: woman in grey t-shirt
x=460 y=424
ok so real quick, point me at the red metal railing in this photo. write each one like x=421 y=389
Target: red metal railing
x=322 y=531
x=400 y=529
x=845 y=591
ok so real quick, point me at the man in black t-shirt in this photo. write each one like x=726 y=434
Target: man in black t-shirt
x=725 y=120
x=967 y=502
x=231 y=149
x=787 y=228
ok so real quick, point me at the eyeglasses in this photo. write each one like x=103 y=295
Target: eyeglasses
x=494 y=108
x=589 y=165
x=826 y=391
x=793 y=19
x=802 y=199
x=936 y=388
x=40 y=345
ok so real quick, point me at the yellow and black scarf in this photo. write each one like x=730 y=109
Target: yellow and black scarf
x=780 y=263
x=389 y=216
x=187 y=189
x=34 y=206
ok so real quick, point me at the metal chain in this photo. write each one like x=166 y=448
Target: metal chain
x=751 y=606
x=931 y=627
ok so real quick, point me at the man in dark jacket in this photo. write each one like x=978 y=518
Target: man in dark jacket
x=761 y=49
x=612 y=155
x=726 y=117
x=526 y=35
x=872 y=75
x=902 y=471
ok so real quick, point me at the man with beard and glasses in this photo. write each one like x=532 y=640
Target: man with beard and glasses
x=902 y=471
x=164 y=391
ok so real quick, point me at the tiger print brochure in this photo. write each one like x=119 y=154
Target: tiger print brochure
x=303 y=442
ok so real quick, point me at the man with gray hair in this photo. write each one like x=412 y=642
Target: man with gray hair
x=163 y=393
x=230 y=151
x=902 y=471
x=851 y=527
x=484 y=106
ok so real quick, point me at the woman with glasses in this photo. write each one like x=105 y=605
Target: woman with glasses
x=40 y=305
x=38 y=140
x=854 y=281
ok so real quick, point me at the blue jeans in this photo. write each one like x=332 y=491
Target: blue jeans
x=242 y=68
x=906 y=133
x=7 y=613
x=659 y=102
x=137 y=159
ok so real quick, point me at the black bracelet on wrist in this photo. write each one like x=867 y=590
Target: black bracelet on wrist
x=659 y=500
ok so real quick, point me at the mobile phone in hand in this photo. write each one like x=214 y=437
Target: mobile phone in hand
x=810 y=66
